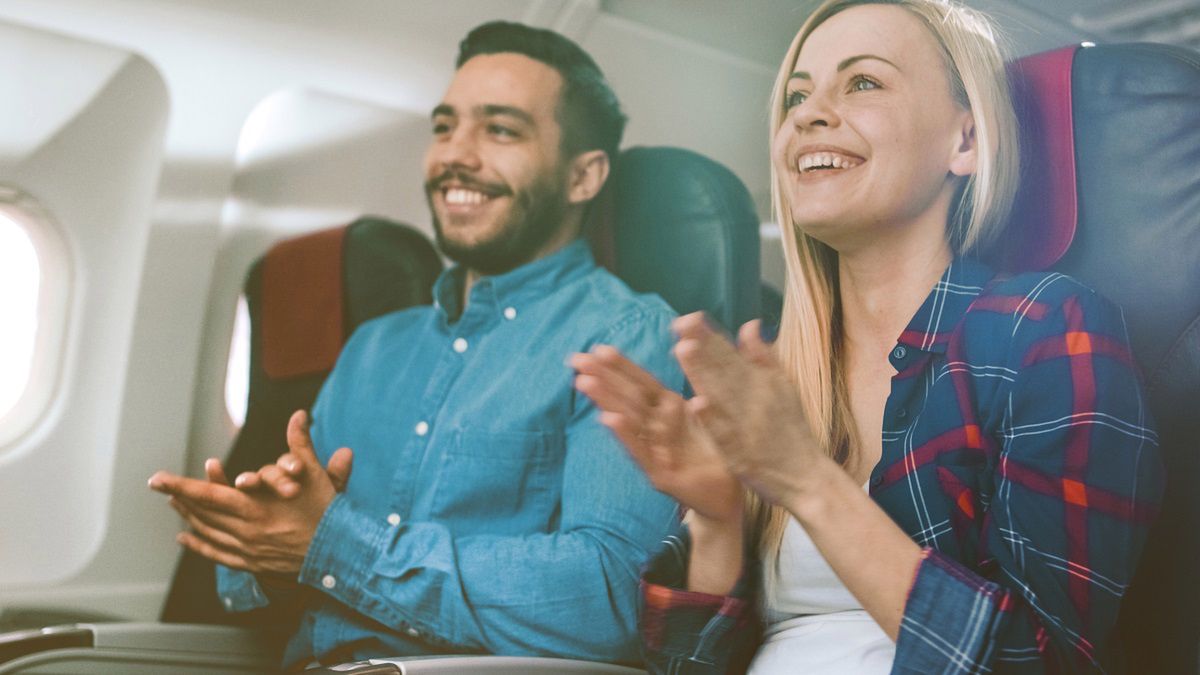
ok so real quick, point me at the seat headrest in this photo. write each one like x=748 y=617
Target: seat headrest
x=318 y=287
x=302 y=330
x=675 y=223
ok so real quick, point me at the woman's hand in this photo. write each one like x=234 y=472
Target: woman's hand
x=655 y=424
x=750 y=409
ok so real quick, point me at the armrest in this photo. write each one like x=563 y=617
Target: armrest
x=477 y=665
x=134 y=647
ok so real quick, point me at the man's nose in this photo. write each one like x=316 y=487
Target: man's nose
x=456 y=150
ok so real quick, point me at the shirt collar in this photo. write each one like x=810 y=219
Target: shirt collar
x=508 y=291
x=946 y=304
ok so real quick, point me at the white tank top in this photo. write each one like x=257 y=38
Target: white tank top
x=814 y=625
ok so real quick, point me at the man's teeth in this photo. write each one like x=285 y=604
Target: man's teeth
x=826 y=160
x=464 y=197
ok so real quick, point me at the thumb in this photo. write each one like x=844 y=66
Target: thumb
x=298 y=440
x=751 y=345
x=339 y=467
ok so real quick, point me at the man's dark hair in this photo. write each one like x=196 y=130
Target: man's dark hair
x=588 y=110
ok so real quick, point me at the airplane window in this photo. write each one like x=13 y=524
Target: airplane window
x=237 y=374
x=35 y=276
x=20 y=275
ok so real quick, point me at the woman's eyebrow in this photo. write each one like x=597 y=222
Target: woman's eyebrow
x=846 y=63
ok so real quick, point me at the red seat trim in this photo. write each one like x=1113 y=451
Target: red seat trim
x=1046 y=210
x=302 y=298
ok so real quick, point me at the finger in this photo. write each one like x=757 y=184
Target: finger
x=611 y=358
x=215 y=472
x=234 y=525
x=751 y=345
x=339 y=467
x=299 y=441
x=247 y=481
x=212 y=552
x=212 y=534
x=278 y=481
x=208 y=495
x=617 y=384
x=712 y=364
x=628 y=433
x=290 y=464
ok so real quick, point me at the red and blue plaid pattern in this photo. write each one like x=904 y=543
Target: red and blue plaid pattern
x=1018 y=450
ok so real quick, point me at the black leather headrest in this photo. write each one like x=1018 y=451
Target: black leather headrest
x=676 y=223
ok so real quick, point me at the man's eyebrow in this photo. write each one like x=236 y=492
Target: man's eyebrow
x=442 y=109
x=846 y=63
x=511 y=111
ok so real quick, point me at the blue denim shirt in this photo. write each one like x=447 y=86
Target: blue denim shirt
x=488 y=509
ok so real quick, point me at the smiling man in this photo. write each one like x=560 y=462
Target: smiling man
x=488 y=510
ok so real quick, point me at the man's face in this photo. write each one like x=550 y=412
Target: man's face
x=496 y=179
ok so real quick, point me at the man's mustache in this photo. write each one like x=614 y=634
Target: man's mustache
x=467 y=181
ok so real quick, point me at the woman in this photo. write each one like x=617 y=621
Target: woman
x=995 y=522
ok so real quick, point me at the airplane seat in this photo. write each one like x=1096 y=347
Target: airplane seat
x=1110 y=195
x=679 y=224
x=305 y=297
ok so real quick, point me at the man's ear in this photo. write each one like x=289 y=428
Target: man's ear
x=965 y=155
x=589 y=170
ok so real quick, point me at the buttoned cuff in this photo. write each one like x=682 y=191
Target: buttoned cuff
x=342 y=552
x=239 y=590
x=949 y=617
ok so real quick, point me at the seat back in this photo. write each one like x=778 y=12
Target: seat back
x=305 y=297
x=676 y=223
x=1112 y=142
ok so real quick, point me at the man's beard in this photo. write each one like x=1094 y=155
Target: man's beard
x=535 y=216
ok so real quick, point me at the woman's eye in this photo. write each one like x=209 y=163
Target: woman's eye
x=793 y=99
x=863 y=83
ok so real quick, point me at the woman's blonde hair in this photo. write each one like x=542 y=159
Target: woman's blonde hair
x=810 y=341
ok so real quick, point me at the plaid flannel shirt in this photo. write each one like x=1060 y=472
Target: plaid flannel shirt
x=1018 y=451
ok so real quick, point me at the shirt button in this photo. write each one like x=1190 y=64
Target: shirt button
x=901 y=413
x=393 y=519
x=899 y=352
x=328 y=581
x=422 y=428
x=876 y=480
x=412 y=632
x=510 y=313
x=460 y=345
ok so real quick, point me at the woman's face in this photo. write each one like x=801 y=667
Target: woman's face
x=872 y=140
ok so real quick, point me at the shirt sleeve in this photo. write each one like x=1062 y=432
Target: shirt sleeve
x=1076 y=483
x=689 y=632
x=571 y=593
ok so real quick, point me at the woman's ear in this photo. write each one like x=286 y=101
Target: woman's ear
x=965 y=156
x=589 y=170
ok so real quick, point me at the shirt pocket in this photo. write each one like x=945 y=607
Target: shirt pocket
x=499 y=482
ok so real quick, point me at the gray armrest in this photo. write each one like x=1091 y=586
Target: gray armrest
x=478 y=665
x=134 y=648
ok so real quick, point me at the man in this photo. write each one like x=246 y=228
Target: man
x=488 y=510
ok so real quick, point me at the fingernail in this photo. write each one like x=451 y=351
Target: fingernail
x=240 y=481
x=153 y=482
x=292 y=465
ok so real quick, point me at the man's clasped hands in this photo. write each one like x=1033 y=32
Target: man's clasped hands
x=263 y=522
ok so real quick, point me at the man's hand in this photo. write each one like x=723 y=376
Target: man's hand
x=259 y=531
x=286 y=476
